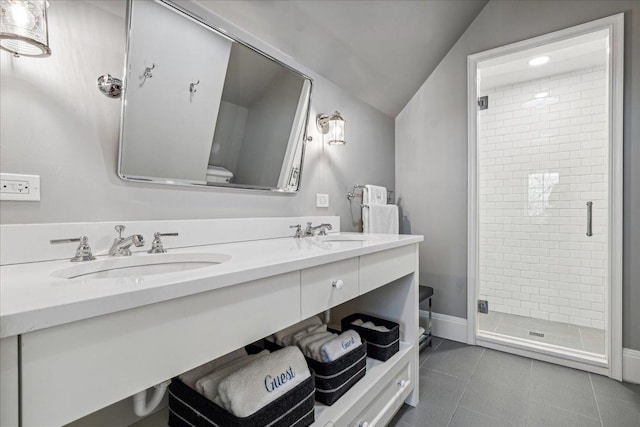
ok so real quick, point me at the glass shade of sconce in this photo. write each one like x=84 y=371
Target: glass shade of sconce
x=24 y=30
x=332 y=125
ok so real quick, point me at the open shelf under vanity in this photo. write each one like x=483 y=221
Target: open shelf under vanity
x=387 y=384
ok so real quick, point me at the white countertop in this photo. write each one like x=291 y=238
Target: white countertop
x=31 y=299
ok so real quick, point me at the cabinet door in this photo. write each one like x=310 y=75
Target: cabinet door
x=389 y=398
x=383 y=267
x=72 y=370
x=9 y=381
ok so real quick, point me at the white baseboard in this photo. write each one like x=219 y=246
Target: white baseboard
x=449 y=327
x=631 y=365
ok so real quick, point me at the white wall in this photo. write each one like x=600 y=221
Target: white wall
x=431 y=147
x=55 y=123
x=540 y=160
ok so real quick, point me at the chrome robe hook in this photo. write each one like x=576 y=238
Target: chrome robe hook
x=147 y=73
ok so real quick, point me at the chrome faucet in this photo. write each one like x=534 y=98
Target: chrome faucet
x=310 y=231
x=157 y=246
x=83 y=251
x=298 y=228
x=121 y=245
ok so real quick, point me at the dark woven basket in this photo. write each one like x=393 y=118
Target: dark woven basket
x=189 y=408
x=380 y=345
x=333 y=379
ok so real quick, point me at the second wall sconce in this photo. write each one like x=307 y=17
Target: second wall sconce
x=333 y=126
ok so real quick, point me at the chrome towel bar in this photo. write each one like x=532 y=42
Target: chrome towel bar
x=352 y=194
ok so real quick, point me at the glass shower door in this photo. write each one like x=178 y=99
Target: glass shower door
x=543 y=171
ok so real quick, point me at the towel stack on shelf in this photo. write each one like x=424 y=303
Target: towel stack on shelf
x=240 y=389
x=377 y=215
x=382 y=336
x=338 y=360
x=370 y=325
x=316 y=342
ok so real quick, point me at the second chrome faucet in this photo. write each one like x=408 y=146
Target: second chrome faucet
x=310 y=230
x=121 y=245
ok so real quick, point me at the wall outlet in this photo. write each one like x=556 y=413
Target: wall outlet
x=322 y=200
x=19 y=187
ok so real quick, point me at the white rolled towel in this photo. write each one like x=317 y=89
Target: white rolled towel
x=312 y=350
x=287 y=333
x=304 y=342
x=191 y=377
x=208 y=385
x=262 y=381
x=311 y=330
x=370 y=325
x=339 y=346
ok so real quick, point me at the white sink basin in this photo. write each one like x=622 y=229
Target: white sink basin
x=343 y=238
x=140 y=265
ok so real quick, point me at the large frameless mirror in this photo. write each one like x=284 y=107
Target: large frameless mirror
x=201 y=108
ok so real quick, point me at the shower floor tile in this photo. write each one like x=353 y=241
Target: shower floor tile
x=556 y=333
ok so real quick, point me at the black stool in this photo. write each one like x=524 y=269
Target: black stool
x=425 y=293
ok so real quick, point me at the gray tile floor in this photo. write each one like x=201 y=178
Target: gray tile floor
x=464 y=385
x=557 y=333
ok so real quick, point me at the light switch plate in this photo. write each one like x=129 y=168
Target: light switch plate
x=19 y=187
x=322 y=200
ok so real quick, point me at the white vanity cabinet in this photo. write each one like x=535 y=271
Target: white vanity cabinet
x=9 y=381
x=75 y=368
x=72 y=370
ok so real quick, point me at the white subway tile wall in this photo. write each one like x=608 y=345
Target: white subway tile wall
x=542 y=156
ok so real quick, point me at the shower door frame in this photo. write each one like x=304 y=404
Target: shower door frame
x=612 y=366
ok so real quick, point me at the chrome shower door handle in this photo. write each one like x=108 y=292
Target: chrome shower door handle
x=589 y=218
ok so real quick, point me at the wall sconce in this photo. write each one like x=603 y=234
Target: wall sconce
x=24 y=29
x=110 y=86
x=333 y=125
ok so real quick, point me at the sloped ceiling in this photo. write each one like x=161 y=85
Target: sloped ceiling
x=381 y=51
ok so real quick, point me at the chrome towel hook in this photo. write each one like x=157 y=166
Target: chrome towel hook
x=147 y=73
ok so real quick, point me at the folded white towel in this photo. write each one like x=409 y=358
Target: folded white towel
x=339 y=346
x=381 y=219
x=293 y=329
x=370 y=325
x=312 y=350
x=257 y=384
x=191 y=377
x=311 y=330
x=374 y=195
x=208 y=385
x=304 y=342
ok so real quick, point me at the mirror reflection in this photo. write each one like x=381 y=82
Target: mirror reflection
x=223 y=115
